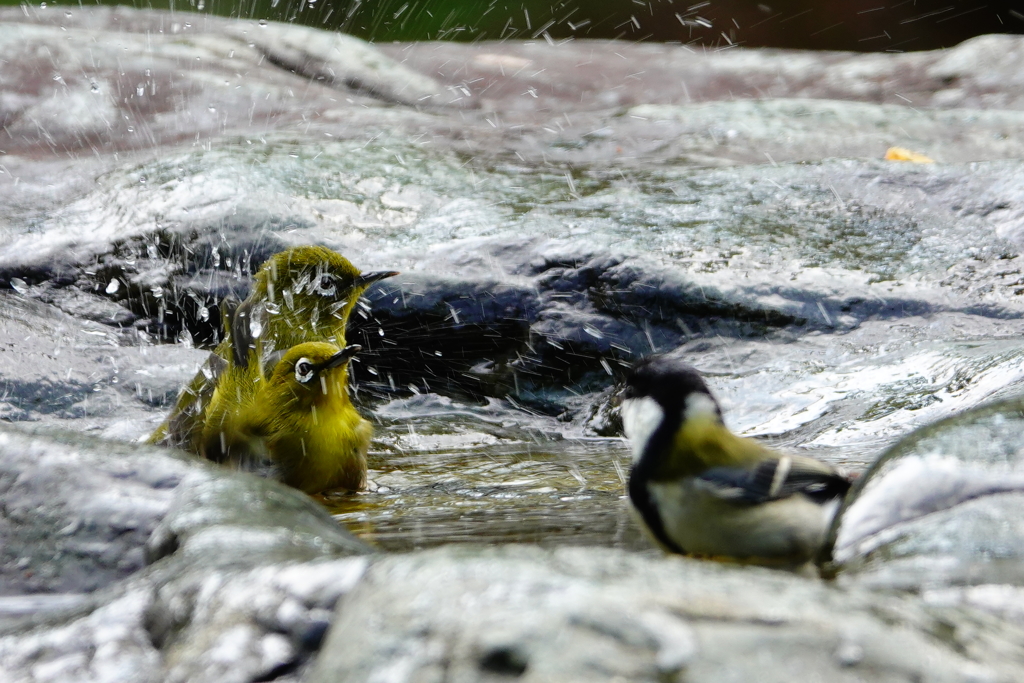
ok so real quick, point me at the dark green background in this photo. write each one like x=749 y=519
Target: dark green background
x=864 y=25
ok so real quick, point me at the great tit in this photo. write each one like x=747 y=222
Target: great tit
x=299 y=420
x=699 y=489
x=303 y=294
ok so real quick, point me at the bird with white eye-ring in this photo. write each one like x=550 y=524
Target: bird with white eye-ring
x=300 y=421
x=301 y=295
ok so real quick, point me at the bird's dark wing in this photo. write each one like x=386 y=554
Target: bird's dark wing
x=775 y=478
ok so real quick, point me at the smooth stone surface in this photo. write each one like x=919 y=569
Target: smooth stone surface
x=81 y=513
x=943 y=507
x=549 y=230
x=119 y=80
x=597 y=615
x=78 y=511
x=136 y=563
x=176 y=623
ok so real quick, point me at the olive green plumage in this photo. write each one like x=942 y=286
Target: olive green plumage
x=299 y=420
x=301 y=295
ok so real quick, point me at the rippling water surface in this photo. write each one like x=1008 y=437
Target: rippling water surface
x=442 y=472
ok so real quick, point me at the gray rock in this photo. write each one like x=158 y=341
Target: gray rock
x=81 y=93
x=596 y=615
x=158 y=567
x=78 y=511
x=57 y=370
x=81 y=513
x=942 y=507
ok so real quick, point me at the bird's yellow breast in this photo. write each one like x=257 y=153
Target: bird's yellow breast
x=324 y=444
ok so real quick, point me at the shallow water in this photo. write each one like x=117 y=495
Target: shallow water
x=850 y=303
x=444 y=472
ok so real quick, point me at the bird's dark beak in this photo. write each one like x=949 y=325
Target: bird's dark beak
x=367 y=279
x=340 y=358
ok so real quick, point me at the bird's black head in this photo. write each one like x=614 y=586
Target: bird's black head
x=661 y=394
x=668 y=381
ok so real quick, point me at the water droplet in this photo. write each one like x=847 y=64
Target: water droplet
x=131 y=129
x=185 y=339
x=94 y=87
x=42 y=5
x=255 y=327
x=113 y=286
x=140 y=90
x=263 y=22
x=67 y=14
x=19 y=285
x=210 y=108
x=142 y=178
x=204 y=313
x=200 y=5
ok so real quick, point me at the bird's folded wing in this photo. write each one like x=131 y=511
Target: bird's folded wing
x=774 y=478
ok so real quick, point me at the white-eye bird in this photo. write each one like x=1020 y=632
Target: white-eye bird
x=299 y=421
x=702 y=490
x=304 y=294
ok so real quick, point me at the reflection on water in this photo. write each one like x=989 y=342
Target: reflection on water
x=487 y=474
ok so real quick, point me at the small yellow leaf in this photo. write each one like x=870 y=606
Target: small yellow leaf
x=904 y=154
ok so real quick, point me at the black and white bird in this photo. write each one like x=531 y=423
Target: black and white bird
x=702 y=490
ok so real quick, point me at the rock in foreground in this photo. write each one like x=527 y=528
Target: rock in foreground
x=942 y=507
x=519 y=613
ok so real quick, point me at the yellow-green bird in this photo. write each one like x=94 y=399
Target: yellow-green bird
x=299 y=420
x=304 y=294
x=702 y=490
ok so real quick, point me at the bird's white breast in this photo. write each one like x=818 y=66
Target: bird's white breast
x=640 y=418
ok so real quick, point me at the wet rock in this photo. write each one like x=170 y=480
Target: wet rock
x=77 y=511
x=81 y=92
x=524 y=80
x=81 y=513
x=940 y=508
x=158 y=567
x=59 y=370
x=834 y=304
x=594 y=615
x=340 y=61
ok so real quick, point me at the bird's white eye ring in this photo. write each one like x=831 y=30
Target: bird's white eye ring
x=304 y=370
x=324 y=285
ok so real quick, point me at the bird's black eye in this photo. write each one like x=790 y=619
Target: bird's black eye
x=325 y=285
x=304 y=370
